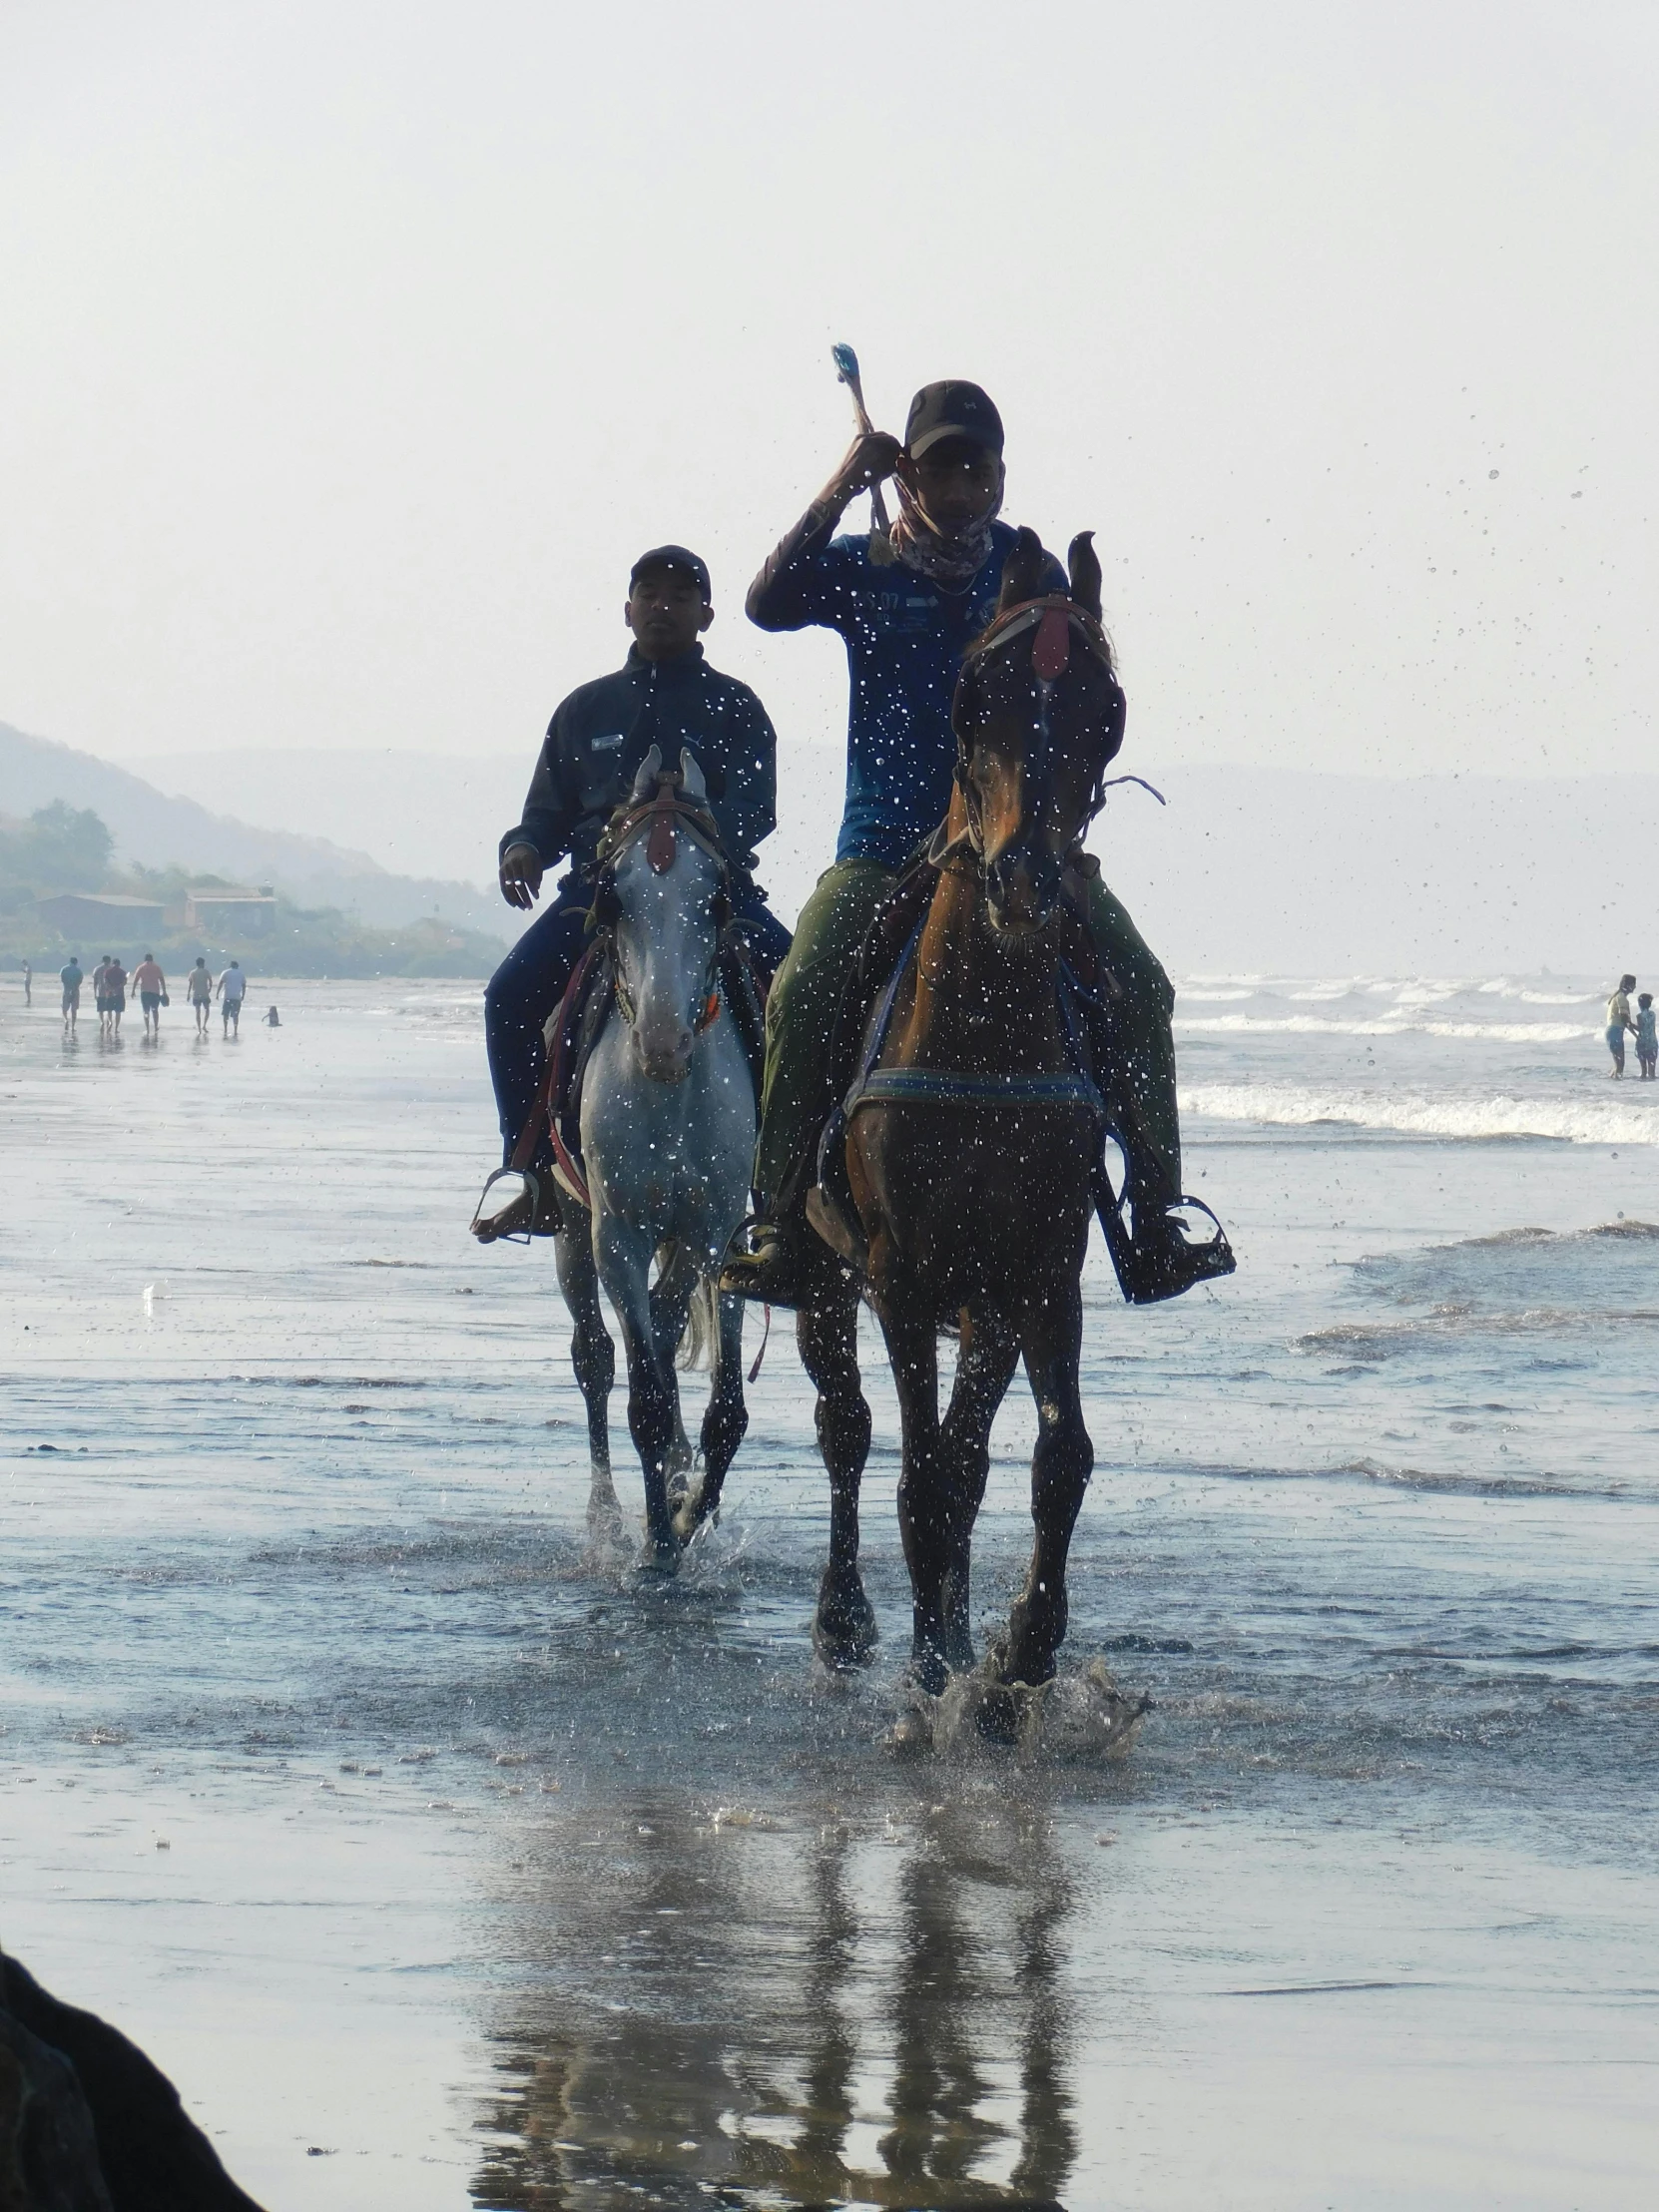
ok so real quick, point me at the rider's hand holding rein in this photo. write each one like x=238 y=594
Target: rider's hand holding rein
x=521 y=874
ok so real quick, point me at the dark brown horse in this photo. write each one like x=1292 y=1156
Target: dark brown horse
x=971 y=1139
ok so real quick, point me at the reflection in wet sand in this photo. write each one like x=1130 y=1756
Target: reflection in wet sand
x=813 y=2013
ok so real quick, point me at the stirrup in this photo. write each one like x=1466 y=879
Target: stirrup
x=1150 y=1270
x=481 y=1225
x=777 y=1268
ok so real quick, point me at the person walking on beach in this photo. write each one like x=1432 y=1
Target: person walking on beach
x=199 y=985
x=1647 y=1037
x=114 y=1000
x=28 y=984
x=71 y=978
x=151 y=985
x=230 y=990
x=1618 y=1021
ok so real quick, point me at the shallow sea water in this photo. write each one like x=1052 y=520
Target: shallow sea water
x=441 y=1870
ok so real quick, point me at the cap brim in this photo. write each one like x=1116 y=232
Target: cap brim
x=942 y=430
x=674 y=568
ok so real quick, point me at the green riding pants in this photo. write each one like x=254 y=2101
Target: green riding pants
x=806 y=993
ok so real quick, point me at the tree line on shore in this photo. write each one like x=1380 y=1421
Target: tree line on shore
x=67 y=848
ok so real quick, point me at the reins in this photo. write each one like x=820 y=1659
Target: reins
x=1056 y=619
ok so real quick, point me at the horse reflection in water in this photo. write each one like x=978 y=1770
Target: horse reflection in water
x=809 y=2033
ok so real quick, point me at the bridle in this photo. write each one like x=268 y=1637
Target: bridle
x=661 y=820
x=1056 y=619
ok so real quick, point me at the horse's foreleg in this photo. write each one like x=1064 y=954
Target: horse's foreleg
x=593 y=1355
x=671 y=1297
x=843 y=1630
x=724 y=1419
x=1061 y=1469
x=924 y=1483
x=624 y=1255
x=985 y=1364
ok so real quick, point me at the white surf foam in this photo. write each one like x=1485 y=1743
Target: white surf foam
x=1286 y=1105
x=1381 y=1025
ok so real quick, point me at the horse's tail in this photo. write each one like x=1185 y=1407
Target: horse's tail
x=702 y=1330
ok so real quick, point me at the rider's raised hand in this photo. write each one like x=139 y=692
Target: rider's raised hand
x=871 y=459
x=521 y=874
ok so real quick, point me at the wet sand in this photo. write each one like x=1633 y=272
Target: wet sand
x=493 y=1880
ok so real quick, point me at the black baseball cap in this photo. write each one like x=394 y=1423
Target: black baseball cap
x=952 y=409
x=673 y=556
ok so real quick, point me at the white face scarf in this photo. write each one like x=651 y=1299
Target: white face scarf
x=952 y=561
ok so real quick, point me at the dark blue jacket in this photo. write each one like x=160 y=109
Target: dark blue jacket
x=601 y=733
x=904 y=639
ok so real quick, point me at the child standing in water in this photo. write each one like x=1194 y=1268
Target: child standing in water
x=1647 y=1036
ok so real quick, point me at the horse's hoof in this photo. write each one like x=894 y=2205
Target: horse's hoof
x=998 y=1715
x=844 y=1629
x=1024 y=1670
x=659 y=1562
x=929 y=1673
x=846 y=1636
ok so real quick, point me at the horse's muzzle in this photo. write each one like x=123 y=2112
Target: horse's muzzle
x=664 y=1052
x=1021 y=887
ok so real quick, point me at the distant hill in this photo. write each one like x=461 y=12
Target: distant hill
x=1247 y=870
x=418 y=814
x=154 y=829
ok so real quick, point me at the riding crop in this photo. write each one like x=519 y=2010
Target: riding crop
x=846 y=368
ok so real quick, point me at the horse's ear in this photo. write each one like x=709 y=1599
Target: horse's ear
x=692 y=785
x=1022 y=572
x=644 y=783
x=1084 y=563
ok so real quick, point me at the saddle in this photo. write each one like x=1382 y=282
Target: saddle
x=1089 y=995
x=578 y=1022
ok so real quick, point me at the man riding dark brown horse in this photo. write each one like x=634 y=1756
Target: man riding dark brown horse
x=971 y=1133
x=906 y=610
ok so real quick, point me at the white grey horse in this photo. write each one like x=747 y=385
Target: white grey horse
x=668 y=1145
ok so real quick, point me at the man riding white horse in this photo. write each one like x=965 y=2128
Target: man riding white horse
x=665 y=695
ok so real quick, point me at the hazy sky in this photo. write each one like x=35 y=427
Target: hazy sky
x=349 y=353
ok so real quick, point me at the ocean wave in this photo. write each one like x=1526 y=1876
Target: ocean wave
x=1382 y=1025
x=1371 y=1343
x=1287 y=1105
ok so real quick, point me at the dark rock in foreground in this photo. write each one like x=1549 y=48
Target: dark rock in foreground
x=88 y=2123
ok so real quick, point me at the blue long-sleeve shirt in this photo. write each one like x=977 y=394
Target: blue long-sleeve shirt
x=905 y=640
